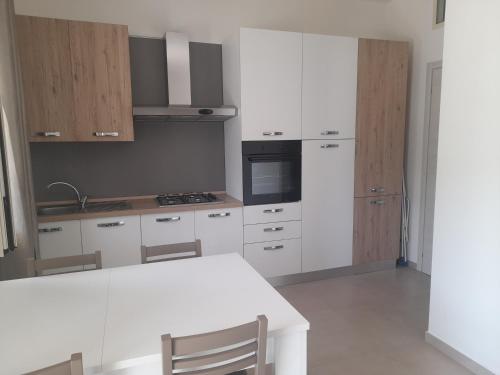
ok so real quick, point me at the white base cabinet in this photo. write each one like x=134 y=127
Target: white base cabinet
x=277 y=258
x=220 y=231
x=60 y=239
x=327 y=204
x=168 y=228
x=118 y=238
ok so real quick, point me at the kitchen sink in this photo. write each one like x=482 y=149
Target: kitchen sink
x=89 y=208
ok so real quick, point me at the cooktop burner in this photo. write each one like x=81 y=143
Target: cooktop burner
x=188 y=198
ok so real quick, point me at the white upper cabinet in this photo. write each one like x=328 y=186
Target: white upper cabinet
x=327 y=204
x=330 y=65
x=271 y=84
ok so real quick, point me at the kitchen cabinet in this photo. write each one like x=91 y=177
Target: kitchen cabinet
x=220 y=231
x=118 y=238
x=272 y=231
x=76 y=80
x=271 y=84
x=168 y=228
x=381 y=117
x=377 y=223
x=45 y=60
x=272 y=213
x=327 y=204
x=272 y=259
x=329 y=87
x=60 y=239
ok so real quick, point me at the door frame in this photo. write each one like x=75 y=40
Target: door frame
x=428 y=92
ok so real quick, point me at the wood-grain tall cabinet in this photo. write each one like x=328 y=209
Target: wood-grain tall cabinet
x=380 y=139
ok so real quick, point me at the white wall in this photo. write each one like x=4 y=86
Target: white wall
x=216 y=20
x=465 y=291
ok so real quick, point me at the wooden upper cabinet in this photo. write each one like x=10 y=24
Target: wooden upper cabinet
x=76 y=80
x=381 y=117
x=47 y=78
x=101 y=81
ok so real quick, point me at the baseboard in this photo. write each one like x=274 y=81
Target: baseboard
x=332 y=273
x=457 y=356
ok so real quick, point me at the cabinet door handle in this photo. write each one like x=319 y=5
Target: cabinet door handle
x=272 y=133
x=376 y=190
x=275 y=229
x=106 y=134
x=50 y=230
x=378 y=202
x=168 y=219
x=111 y=225
x=330 y=145
x=330 y=132
x=49 y=134
x=271 y=248
x=273 y=211
x=222 y=214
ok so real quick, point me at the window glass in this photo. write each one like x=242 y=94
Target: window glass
x=440 y=11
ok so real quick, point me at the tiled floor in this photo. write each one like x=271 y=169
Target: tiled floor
x=371 y=324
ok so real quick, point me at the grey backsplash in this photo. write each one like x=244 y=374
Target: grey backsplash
x=164 y=158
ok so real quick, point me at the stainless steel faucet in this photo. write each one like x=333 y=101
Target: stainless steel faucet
x=82 y=199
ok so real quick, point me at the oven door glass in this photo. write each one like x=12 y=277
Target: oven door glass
x=272 y=179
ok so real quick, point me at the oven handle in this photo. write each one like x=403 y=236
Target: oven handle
x=273 y=158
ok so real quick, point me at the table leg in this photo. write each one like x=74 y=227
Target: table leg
x=290 y=354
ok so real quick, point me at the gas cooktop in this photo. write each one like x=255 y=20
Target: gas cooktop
x=165 y=200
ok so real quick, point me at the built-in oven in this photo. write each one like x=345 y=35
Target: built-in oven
x=271 y=172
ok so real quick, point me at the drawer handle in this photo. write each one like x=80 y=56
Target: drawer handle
x=273 y=211
x=106 y=134
x=111 y=225
x=378 y=203
x=273 y=134
x=330 y=132
x=271 y=248
x=331 y=145
x=49 y=134
x=376 y=190
x=275 y=229
x=222 y=214
x=168 y=219
x=50 y=230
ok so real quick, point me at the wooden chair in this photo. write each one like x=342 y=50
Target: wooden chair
x=72 y=367
x=170 y=252
x=225 y=352
x=35 y=267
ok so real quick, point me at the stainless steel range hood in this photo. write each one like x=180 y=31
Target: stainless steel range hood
x=179 y=91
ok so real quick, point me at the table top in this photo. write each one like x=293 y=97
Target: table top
x=116 y=316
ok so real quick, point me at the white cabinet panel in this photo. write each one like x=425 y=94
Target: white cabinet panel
x=327 y=204
x=60 y=239
x=220 y=231
x=271 y=213
x=276 y=258
x=272 y=231
x=271 y=84
x=118 y=238
x=168 y=228
x=329 y=87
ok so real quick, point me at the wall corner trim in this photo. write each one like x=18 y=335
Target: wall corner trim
x=457 y=356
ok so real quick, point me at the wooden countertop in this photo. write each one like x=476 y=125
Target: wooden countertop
x=139 y=206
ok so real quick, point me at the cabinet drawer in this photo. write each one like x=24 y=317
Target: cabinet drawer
x=272 y=231
x=220 y=231
x=60 y=239
x=118 y=239
x=168 y=228
x=275 y=258
x=272 y=213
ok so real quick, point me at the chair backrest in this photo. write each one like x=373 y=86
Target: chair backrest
x=72 y=367
x=171 y=252
x=218 y=353
x=36 y=267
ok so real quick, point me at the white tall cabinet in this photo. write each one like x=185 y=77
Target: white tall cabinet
x=327 y=204
x=271 y=84
x=329 y=87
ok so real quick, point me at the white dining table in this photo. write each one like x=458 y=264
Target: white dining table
x=116 y=316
